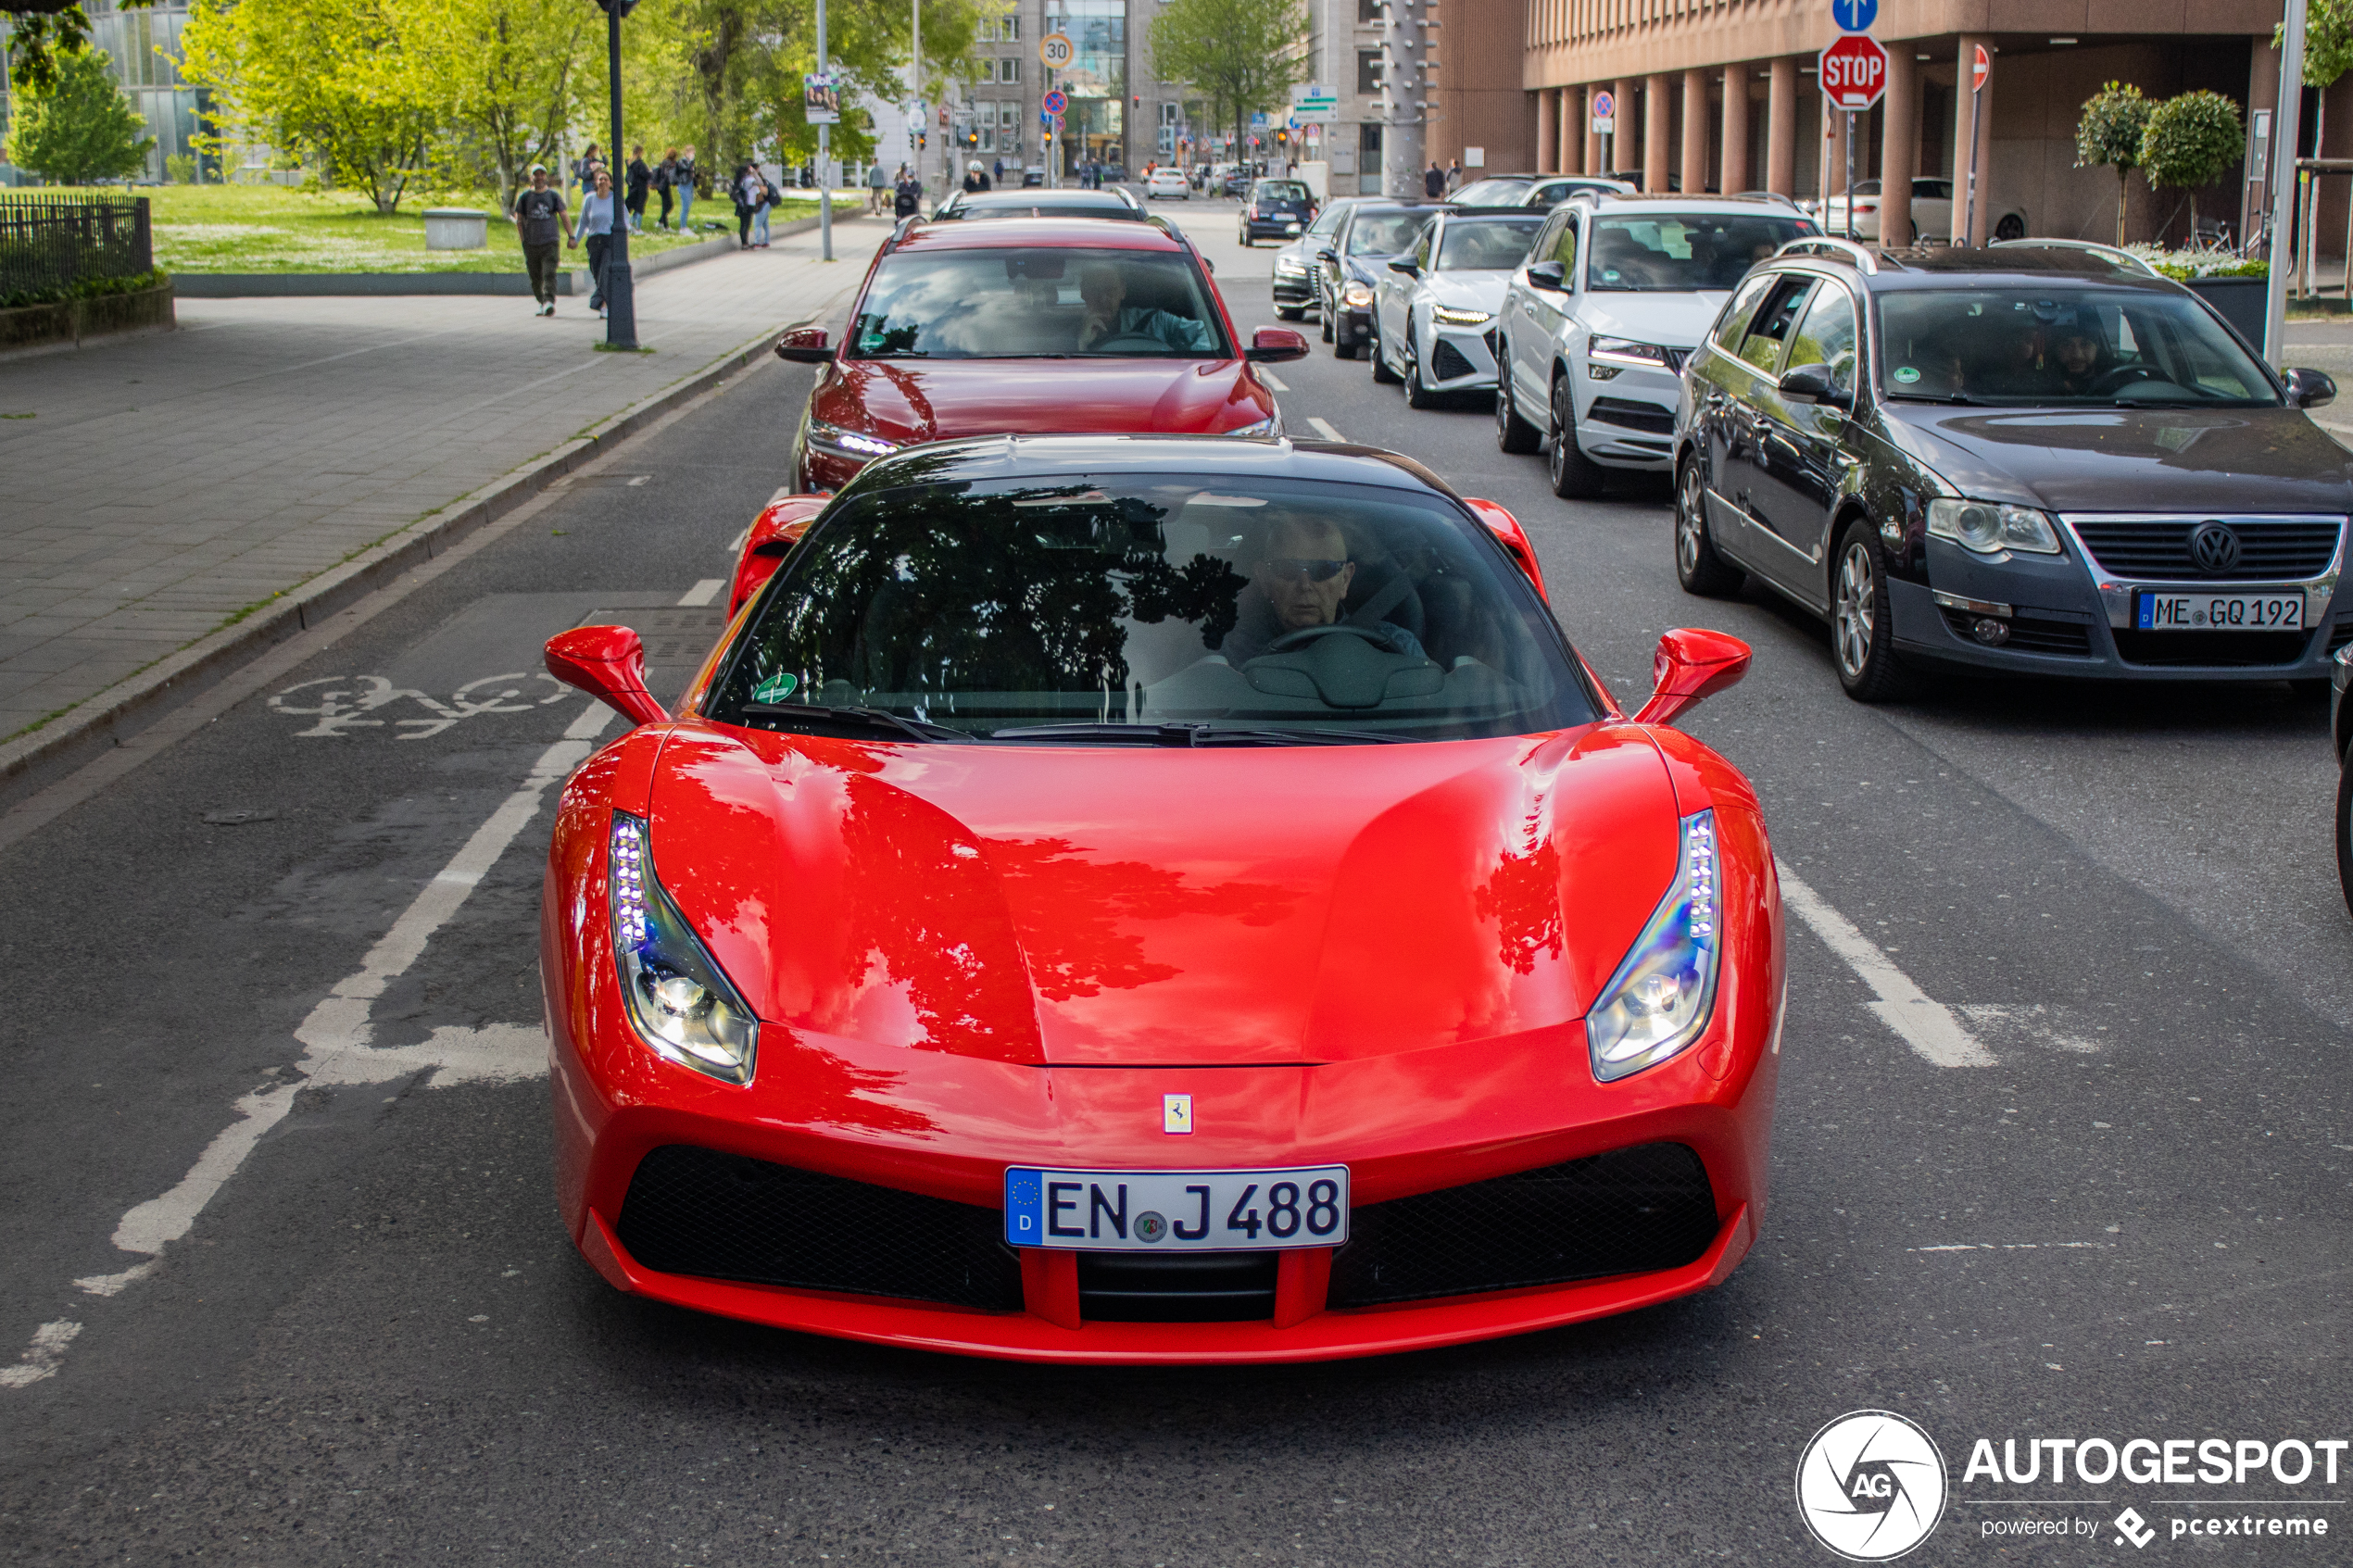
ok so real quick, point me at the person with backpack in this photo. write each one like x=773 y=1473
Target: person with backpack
x=771 y=198
x=877 y=190
x=665 y=181
x=685 y=184
x=908 y=199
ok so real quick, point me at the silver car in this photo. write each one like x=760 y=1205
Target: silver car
x=1434 y=308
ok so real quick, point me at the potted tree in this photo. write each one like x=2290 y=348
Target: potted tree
x=2115 y=120
x=2189 y=143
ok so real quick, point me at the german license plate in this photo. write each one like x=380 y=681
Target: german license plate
x=1177 y=1210
x=2222 y=612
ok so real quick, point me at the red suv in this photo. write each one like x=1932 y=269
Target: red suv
x=1027 y=326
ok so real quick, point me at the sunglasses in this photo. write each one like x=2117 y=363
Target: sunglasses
x=1290 y=566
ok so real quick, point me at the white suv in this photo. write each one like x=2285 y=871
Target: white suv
x=1616 y=293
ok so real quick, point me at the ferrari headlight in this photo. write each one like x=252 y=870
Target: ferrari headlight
x=1267 y=428
x=1661 y=998
x=846 y=443
x=1356 y=296
x=1447 y=316
x=1624 y=351
x=1989 y=529
x=680 y=1004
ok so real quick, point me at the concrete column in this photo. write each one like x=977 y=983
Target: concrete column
x=1571 y=144
x=1735 y=154
x=1780 y=129
x=1964 y=120
x=1695 y=160
x=1626 y=142
x=1592 y=164
x=1547 y=114
x=1899 y=147
x=1656 y=111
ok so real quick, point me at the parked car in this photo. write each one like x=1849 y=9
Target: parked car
x=1542 y=191
x=1033 y=175
x=2341 y=727
x=1400 y=989
x=1434 y=308
x=1275 y=210
x=1616 y=292
x=1028 y=326
x=1168 y=180
x=2037 y=460
x=1295 y=274
x=1356 y=256
x=1110 y=202
x=1932 y=213
x=1236 y=183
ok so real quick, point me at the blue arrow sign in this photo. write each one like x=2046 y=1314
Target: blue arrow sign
x=1855 y=16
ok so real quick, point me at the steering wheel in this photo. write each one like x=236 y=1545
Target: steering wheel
x=1127 y=340
x=1378 y=636
x=2122 y=376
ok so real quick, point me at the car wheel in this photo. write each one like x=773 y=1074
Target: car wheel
x=1323 y=314
x=1343 y=347
x=1290 y=312
x=1378 y=353
x=2345 y=830
x=1697 y=566
x=1512 y=434
x=1575 y=476
x=1862 y=633
x=2011 y=227
x=1417 y=392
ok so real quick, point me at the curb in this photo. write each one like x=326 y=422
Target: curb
x=102 y=720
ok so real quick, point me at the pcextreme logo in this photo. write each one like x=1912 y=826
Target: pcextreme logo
x=1870 y=1485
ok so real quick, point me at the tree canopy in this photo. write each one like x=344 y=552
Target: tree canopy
x=2191 y=141
x=1242 y=56
x=2115 y=120
x=41 y=30
x=80 y=127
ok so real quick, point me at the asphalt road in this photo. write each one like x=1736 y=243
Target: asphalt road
x=374 y=1342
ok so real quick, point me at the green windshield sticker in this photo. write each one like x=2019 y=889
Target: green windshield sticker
x=1906 y=374
x=775 y=688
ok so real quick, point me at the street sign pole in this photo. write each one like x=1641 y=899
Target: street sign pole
x=2285 y=141
x=825 y=155
x=1979 y=70
x=621 y=305
x=1850 y=177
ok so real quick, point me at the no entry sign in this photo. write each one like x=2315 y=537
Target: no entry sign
x=1854 y=73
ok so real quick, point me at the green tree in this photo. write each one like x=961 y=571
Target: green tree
x=2328 y=41
x=38 y=33
x=81 y=128
x=2190 y=141
x=337 y=80
x=1242 y=56
x=507 y=76
x=2114 y=120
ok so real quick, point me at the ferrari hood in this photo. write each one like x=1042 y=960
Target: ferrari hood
x=1138 y=907
x=908 y=404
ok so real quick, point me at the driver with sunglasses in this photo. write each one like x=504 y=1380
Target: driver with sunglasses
x=1303 y=575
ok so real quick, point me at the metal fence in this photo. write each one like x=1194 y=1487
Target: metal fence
x=52 y=242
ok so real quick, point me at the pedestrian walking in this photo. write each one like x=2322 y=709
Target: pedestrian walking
x=584 y=168
x=1434 y=181
x=641 y=180
x=752 y=206
x=597 y=217
x=1000 y=171
x=877 y=190
x=975 y=177
x=539 y=224
x=770 y=199
x=666 y=182
x=685 y=183
x=906 y=200
x=1453 y=177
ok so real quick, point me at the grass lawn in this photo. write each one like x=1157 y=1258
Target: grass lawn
x=272 y=229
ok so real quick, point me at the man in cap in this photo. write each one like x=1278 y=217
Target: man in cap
x=539 y=222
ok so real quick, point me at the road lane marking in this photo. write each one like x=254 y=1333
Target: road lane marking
x=1324 y=428
x=41 y=1357
x=703 y=591
x=1923 y=1023
x=1273 y=383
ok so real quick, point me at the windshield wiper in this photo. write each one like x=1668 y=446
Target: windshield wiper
x=1961 y=397
x=864 y=718
x=1189 y=734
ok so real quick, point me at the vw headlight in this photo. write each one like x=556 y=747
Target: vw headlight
x=1356 y=296
x=1989 y=529
x=1447 y=316
x=1624 y=351
x=1662 y=996
x=680 y=1004
x=846 y=443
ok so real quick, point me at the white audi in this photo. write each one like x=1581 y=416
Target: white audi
x=1435 y=306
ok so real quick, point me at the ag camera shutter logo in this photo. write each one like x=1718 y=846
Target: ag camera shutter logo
x=1870 y=1485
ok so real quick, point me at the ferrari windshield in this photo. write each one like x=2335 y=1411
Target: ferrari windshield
x=2038 y=343
x=1031 y=303
x=1486 y=244
x=1155 y=611
x=1684 y=252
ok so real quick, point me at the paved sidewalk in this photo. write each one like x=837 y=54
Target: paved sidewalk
x=169 y=484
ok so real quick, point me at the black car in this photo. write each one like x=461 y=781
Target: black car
x=2341 y=728
x=1237 y=182
x=1350 y=264
x=1111 y=203
x=2049 y=461
x=1295 y=287
x=1273 y=208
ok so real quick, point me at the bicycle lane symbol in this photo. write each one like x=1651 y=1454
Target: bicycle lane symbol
x=348 y=703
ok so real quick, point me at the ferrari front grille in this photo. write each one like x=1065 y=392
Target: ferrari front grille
x=1176 y=1287
x=722 y=1216
x=1632 y=1211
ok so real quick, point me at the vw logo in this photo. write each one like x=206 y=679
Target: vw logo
x=2214 y=547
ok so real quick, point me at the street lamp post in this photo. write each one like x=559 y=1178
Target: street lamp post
x=620 y=307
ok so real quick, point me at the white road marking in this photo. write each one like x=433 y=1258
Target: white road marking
x=1324 y=428
x=339 y=708
x=1925 y=1024
x=704 y=592
x=1274 y=382
x=2010 y=1245
x=41 y=1357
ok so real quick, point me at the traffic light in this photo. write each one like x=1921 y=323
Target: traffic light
x=1282 y=137
x=972 y=138
x=923 y=139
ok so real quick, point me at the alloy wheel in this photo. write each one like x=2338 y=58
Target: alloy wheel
x=1857 y=615
x=1688 y=537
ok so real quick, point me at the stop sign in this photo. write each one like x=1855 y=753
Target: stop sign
x=1854 y=73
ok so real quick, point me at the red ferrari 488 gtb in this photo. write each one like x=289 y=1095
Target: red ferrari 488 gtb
x=1157 y=900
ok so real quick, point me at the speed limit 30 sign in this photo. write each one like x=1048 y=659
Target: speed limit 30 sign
x=1056 y=50
x=1854 y=73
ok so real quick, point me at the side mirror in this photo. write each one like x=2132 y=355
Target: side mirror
x=1548 y=276
x=1407 y=265
x=1691 y=665
x=1325 y=253
x=2310 y=389
x=1513 y=539
x=1270 y=346
x=608 y=663
x=773 y=533
x=804 y=345
x=1812 y=384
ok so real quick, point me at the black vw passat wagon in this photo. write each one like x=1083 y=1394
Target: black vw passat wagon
x=2041 y=460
